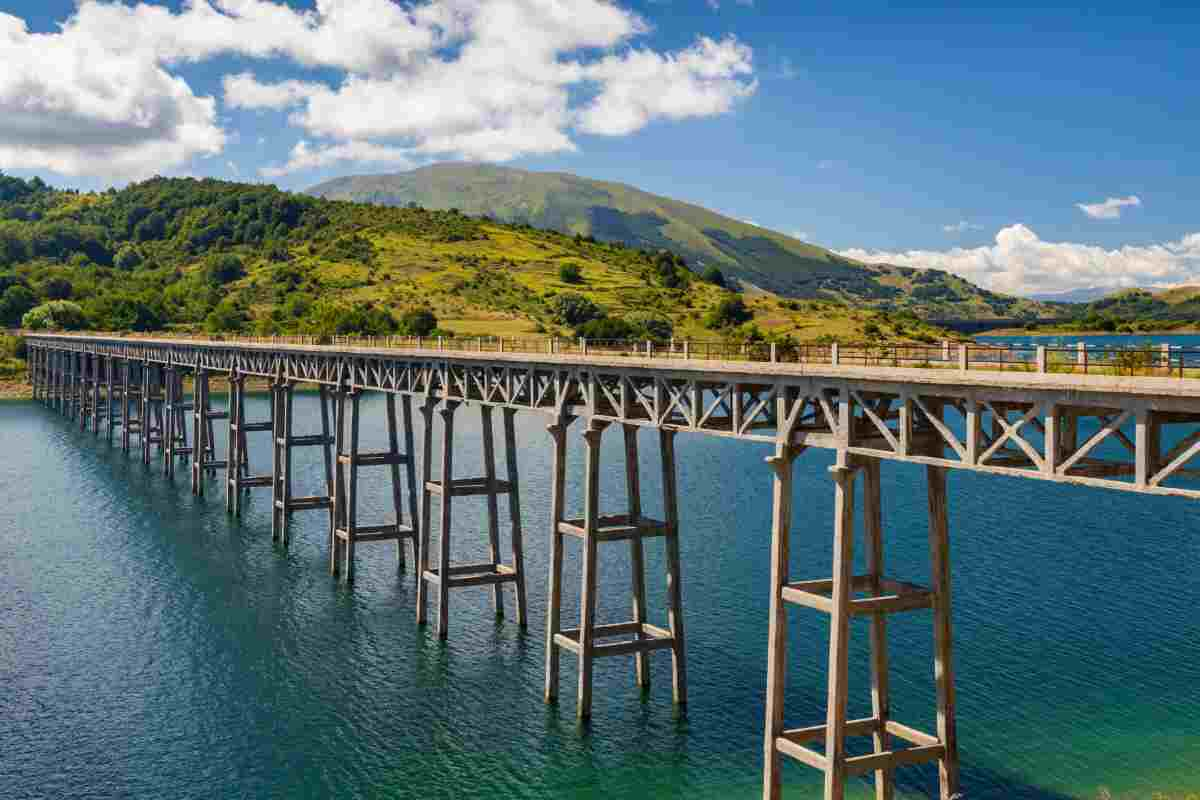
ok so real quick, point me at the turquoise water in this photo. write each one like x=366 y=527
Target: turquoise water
x=1097 y=340
x=152 y=647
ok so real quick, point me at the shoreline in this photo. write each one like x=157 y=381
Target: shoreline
x=1187 y=331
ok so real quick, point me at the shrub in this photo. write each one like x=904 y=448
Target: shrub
x=606 y=328
x=571 y=308
x=731 y=311
x=222 y=269
x=56 y=315
x=128 y=257
x=58 y=289
x=569 y=273
x=228 y=316
x=714 y=276
x=649 y=325
x=418 y=322
x=14 y=303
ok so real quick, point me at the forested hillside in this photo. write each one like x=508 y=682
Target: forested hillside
x=217 y=256
x=617 y=212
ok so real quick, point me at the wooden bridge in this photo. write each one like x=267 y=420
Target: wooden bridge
x=1135 y=434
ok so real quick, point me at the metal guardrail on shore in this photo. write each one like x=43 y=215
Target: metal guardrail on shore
x=1161 y=360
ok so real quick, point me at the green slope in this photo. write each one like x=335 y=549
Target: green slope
x=622 y=213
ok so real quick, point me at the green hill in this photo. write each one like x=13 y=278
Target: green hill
x=615 y=212
x=185 y=254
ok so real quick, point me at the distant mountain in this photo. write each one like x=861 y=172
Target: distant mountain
x=755 y=256
x=1083 y=295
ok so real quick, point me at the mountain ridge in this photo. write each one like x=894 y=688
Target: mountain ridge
x=617 y=212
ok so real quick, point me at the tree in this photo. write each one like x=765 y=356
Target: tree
x=14 y=303
x=222 y=269
x=55 y=315
x=606 y=329
x=714 y=276
x=227 y=317
x=650 y=325
x=731 y=311
x=418 y=322
x=572 y=308
x=58 y=289
x=128 y=258
x=569 y=273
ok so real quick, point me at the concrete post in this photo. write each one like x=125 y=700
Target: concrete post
x=963 y=357
x=835 y=357
x=1041 y=358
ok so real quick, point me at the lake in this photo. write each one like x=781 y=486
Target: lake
x=151 y=646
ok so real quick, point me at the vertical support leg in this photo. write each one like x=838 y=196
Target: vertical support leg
x=880 y=690
x=279 y=452
x=350 y=512
x=423 y=554
x=232 y=454
x=110 y=397
x=514 y=514
x=558 y=433
x=666 y=440
x=839 y=632
x=326 y=443
x=493 y=506
x=943 y=662
x=410 y=470
x=587 y=602
x=201 y=427
x=394 y=450
x=637 y=569
x=447 y=476
x=168 y=435
x=126 y=403
x=781 y=525
x=339 y=480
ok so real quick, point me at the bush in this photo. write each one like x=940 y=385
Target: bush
x=223 y=269
x=228 y=316
x=606 y=328
x=730 y=312
x=418 y=322
x=649 y=325
x=58 y=289
x=570 y=273
x=571 y=308
x=14 y=303
x=128 y=257
x=714 y=276
x=56 y=315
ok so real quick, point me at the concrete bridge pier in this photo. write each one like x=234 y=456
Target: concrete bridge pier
x=873 y=596
x=238 y=479
x=131 y=402
x=283 y=499
x=444 y=575
x=150 y=432
x=594 y=528
x=175 y=436
x=204 y=462
x=113 y=416
x=346 y=533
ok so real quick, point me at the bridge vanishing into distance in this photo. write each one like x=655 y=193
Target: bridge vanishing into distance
x=1136 y=434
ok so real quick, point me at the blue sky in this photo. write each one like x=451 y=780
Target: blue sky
x=962 y=137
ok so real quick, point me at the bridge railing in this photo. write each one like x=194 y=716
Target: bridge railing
x=1079 y=358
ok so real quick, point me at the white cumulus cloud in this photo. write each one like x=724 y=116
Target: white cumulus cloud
x=1020 y=262
x=70 y=104
x=305 y=156
x=475 y=79
x=1110 y=208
